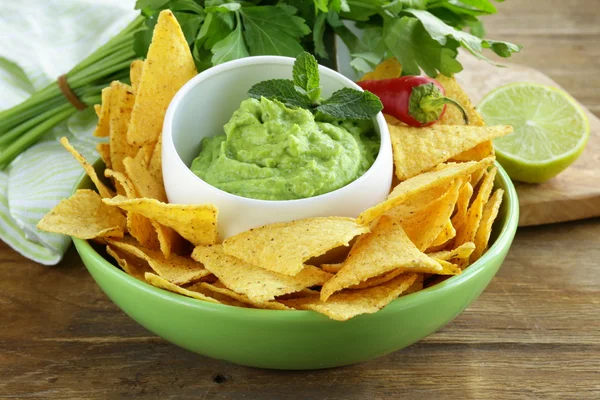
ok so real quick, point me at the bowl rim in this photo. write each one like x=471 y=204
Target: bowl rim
x=169 y=145
x=405 y=302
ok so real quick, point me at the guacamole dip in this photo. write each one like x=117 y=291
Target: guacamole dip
x=273 y=152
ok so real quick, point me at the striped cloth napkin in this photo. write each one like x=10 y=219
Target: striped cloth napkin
x=39 y=41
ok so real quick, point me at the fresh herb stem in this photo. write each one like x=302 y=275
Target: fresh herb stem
x=10 y=123
x=58 y=115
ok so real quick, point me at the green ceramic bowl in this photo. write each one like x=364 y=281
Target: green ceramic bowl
x=302 y=339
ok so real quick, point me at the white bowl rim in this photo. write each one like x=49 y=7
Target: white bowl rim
x=281 y=60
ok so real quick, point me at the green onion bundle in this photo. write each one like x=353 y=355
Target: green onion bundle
x=22 y=125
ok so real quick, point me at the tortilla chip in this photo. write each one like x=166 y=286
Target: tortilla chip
x=177 y=270
x=490 y=212
x=284 y=247
x=162 y=283
x=88 y=168
x=332 y=268
x=138 y=226
x=268 y=305
x=476 y=177
x=135 y=73
x=258 y=284
x=479 y=152
x=150 y=186
x=377 y=280
x=169 y=241
x=462 y=205
x=385 y=249
x=84 y=216
x=416 y=286
x=462 y=251
x=102 y=129
x=168 y=66
x=146 y=184
x=420 y=183
x=122 y=183
x=468 y=230
x=448 y=268
x=220 y=297
x=155 y=162
x=121 y=104
x=419 y=149
x=197 y=223
x=425 y=223
x=104 y=150
x=453 y=116
x=345 y=305
x=392 y=120
x=298 y=295
x=447 y=233
x=98 y=110
x=388 y=69
x=131 y=265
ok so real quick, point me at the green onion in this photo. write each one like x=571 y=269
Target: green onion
x=24 y=124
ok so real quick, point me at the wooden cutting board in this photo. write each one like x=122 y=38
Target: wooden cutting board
x=572 y=195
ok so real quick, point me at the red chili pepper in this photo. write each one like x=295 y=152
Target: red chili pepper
x=415 y=100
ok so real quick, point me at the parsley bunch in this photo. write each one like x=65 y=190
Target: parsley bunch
x=304 y=91
x=422 y=34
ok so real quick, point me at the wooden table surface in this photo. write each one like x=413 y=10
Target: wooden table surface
x=534 y=333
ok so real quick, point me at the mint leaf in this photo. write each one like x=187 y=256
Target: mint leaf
x=440 y=32
x=306 y=75
x=230 y=48
x=273 y=30
x=283 y=90
x=407 y=40
x=351 y=104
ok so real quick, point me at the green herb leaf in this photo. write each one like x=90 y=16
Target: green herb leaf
x=318 y=34
x=473 y=7
x=306 y=75
x=227 y=7
x=321 y=5
x=273 y=30
x=339 y=6
x=351 y=104
x=153 y=4
x=440 y=32
x=365 y=62
x=230 y=48
x=190 y=24
x=216 y=27
x=186 y=6
x=407 y=40
x=283 y=90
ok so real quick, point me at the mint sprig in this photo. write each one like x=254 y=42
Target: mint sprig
x=305 y=92
x=306 y=76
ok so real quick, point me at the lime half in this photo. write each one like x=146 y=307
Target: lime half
x=550 y=129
